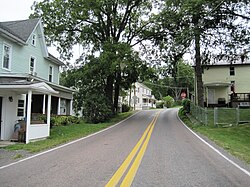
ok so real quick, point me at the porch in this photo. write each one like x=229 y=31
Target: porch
x=240 y=100
x=16 y=106
x=22 y=97
x=216 y=94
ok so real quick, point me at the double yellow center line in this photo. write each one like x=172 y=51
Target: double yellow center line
x=137 y=151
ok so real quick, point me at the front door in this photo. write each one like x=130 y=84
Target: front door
x=1 y=99
x=211 y=93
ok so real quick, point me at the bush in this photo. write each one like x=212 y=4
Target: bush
x=159 y=104
x=125 y=108
x=168 y=101
x=186 y=105
x=96 y=109
x=60 y=120
x=178 y=103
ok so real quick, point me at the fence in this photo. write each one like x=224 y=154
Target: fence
x=220 y=116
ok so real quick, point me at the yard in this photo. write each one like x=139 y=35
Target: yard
x=233 y=138
x=63 y=134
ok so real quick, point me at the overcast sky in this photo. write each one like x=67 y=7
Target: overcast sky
x=11 y=10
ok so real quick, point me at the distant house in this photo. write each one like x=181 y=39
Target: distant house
x=140 y=97
x=29 y=80
x=227 y=84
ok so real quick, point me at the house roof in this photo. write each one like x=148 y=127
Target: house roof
x=217 y=84
x=21 y=29
x=55 y=60
x=24 y=80
x=22 y=85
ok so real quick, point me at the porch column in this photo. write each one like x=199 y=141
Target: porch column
x=71 y=107
x=59 y=106
x=48 y=113
x=44 y=103
x=28 y=117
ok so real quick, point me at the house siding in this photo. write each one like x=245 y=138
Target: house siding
x=20 y=59
x=221 y=74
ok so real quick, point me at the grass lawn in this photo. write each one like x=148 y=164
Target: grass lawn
x=235 y=139
x=63 y=134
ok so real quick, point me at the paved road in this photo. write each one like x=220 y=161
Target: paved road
x=173 y=157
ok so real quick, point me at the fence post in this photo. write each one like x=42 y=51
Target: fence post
x=237 y=116
x=206 y=116
x=215 y=116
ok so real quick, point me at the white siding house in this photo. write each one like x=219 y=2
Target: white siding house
x=140 y=97
x=227 y=84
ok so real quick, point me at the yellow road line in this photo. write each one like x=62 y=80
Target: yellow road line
x=117 y=176
x=133 y=169
x=119 y=173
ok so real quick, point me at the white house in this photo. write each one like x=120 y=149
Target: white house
x=29 y=80
x=227 y=84
x=139 y=97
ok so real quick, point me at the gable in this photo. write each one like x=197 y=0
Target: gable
x=20 y=29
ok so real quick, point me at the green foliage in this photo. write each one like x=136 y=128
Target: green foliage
x=210 y=30
x=96 y=108
x=184 y=78
x=168 y=101
x=159 y=104
x=58 y=120
x=186 y=105
x=125 y=108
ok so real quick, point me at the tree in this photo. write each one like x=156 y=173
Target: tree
x=106 y=27
x=172 y=84
x=208 y=27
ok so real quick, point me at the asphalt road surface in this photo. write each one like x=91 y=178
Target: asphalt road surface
x=152 y=148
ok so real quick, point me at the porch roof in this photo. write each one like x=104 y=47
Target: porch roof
x=36 y=87
x=217 y=84
x=145 y=96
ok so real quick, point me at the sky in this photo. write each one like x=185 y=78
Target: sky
x=11 y=10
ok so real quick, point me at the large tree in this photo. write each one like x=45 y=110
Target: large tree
x=209 y=28
x=108 y=28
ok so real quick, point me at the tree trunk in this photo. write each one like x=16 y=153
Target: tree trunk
x=109 y=92
x=117 y=91
x=198 y=69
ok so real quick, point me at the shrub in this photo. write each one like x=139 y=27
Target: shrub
x=178 y=103
x=186 y=105
x=125 y=108
x=96 y=108
x=159 y=104
x=168 y=101
x=60 y=120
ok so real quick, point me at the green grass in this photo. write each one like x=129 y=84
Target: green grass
x=63 y=134
x=235 y=139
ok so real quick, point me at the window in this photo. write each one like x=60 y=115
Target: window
x=63 y=106
x=6 y=56
x=233 y=86
x=20 y=108
x=50 y=74
x=32 y=64
x=33 y=40
x=232 y=71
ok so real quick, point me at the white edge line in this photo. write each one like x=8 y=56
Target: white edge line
x=213 y=148
x=69 y=143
